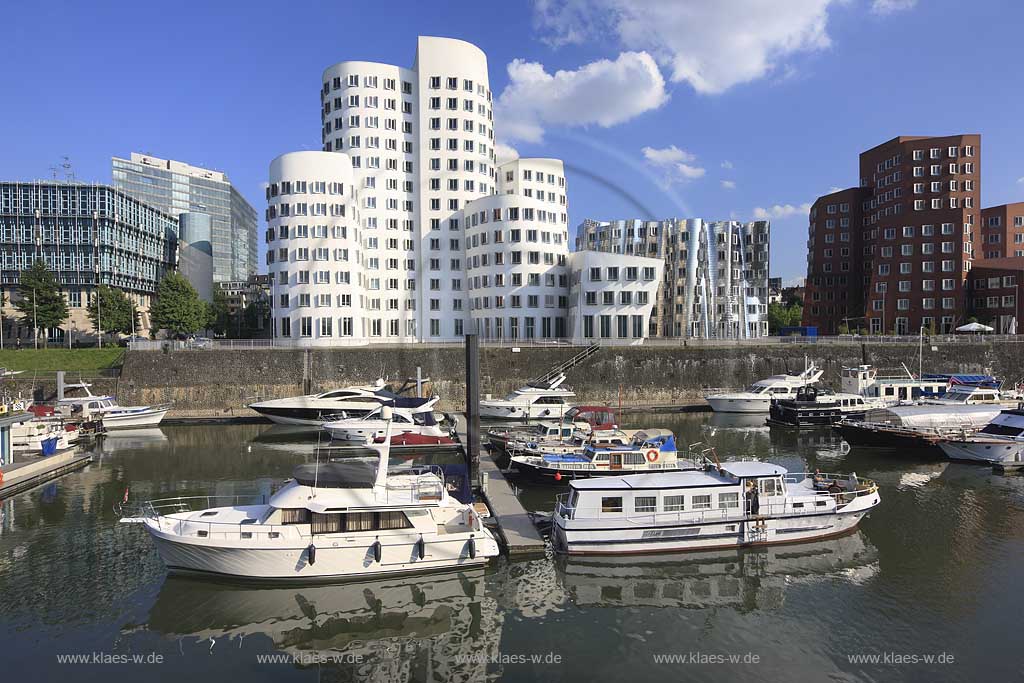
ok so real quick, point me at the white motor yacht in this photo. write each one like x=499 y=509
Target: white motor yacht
x=537 y=400
x=373 y=426
x=1000 y=441
x=338 y=404
x=334 y=520
x=112 y=415
x=757 y=398
x=728 y=505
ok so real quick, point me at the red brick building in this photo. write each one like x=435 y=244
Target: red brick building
x=994 y=292
x=919 y=208
x=1002 y=231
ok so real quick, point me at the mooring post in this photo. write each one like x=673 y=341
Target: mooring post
x=472 y=445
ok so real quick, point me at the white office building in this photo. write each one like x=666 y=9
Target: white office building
x=612 y=296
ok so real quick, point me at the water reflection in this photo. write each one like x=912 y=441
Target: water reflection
x=745 y=579
x=398 y=628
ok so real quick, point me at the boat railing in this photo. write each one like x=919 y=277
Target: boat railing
x=160 y=511
x=852 y=486
x=421 y=488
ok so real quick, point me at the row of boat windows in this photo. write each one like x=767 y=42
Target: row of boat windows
x=726 y=501
x=338 y=522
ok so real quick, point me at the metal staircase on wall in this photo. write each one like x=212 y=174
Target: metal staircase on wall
x=567 y=365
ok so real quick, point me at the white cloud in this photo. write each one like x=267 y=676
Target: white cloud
x=667 y=155
x=727 y=165
x=604 y=92
x=1021 y=180
x=780 y=211
x=729 y=184
x=710 y=45
x=505 y=152
x=675 y=164
x=890 y=6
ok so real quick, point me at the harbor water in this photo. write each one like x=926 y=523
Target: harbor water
x=928 y=588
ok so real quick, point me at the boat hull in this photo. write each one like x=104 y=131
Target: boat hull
x=509 y=411
x=706 y=536
x=335 y=558
x=725 y=404
x=549 y=474
x=905 y=441
x=148 y=418
x=359 y=435
x=985 y=451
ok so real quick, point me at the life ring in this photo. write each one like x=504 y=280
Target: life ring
x=652 y=455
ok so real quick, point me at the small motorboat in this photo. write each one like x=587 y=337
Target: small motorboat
x=106 y=410
x=1000 y=441
x=758 y=397
x=650 y=450
x=337 y=404
x=535 y=401
x=373 y=426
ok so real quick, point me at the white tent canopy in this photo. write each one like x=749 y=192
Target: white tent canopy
x=974 y=327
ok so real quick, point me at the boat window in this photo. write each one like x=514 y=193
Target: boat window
x=94 y=405
x=611 y=504
x=336 y=394
x=702 y=502
x=401 y=419
x=728 y=500
x=633 y=459
x=337 y=522
x=645 y=504
x=755 y=389
x=294 y=516
x=551 y=400
x=890 y=391
x=1001 y=430
x=674 y=503
x=210 y=513
x=770 y=487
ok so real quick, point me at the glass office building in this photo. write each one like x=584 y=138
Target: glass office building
x=87 y=235
x=176 y=187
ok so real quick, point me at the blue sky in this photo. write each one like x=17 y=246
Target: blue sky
x=741 y=108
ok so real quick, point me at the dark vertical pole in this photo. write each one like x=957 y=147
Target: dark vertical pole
x=472 y=445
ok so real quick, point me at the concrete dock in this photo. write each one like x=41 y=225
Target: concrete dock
x=35 y=470
x=515 y=528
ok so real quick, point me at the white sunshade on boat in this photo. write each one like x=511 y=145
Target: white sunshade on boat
x=931 y=416
x=974 y=327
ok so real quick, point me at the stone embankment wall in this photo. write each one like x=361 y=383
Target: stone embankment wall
x=222 y=382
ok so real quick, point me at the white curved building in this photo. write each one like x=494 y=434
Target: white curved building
x=517 y=244
x=314 y=258
x=421 y=142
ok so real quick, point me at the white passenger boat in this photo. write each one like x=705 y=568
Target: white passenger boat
x=335 y=520
x=1000 y=441
x=727 y=505
x=112 y=415
x=534 y=401
x=649 y=450
x=758 y=396
x=338 y=404
x=373 y=426
x=574 y=444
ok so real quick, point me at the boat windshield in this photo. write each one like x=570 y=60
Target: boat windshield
x=1002 y=430
x=756 y=389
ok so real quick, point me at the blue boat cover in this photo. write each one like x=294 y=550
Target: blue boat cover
x=986 y=381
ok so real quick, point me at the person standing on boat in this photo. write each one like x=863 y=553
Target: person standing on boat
x=753 y=500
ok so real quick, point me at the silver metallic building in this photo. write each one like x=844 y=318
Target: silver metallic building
x=716 y=273
x=176 y=187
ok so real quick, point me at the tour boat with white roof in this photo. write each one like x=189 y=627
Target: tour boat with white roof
x=106 y=409
x=372 y=426
x=336 y=520
x=537 y=400
x=1000 y=441
x=339 y=404
x=724 y=505
x=650 y=450
x=758 y=396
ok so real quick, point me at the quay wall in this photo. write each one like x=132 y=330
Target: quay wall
x=219 y=383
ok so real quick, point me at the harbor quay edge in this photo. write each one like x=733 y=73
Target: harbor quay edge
x=220 y=383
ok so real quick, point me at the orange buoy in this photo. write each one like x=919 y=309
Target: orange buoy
x=558 y=476
x=652 y=455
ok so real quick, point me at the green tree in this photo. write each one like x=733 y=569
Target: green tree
x=780 y=315
x=40 y=301
x=178 y=308
x=112 y=311
x=219 y=314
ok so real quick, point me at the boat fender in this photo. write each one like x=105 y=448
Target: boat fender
x=376 y=547
x=558 y=476
x=311 y=554
x=472 y=547
x=421 y=548
x=652 y=455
